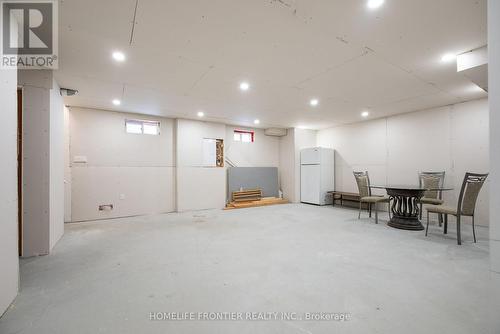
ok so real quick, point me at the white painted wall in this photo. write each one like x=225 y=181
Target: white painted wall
x=361 y=146
x=67 y=169
x=198 y=187
x=287 y=165
x=56 y=165
x=148 y=170
x=9 y=261
x=264 y=152
x=43 y=173
x=135 y=173
x=394 y=149
x=494 y=100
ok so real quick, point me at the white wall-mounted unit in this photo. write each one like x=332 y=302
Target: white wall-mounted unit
x=276 y=132
x=317 y=175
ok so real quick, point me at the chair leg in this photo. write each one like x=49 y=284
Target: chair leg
x=459 y=232
x=421 y=206
x=370 y=210
x=359 y=213
x=389 y=209
x=473 y=229
x=427 y=227
x=445 y=224
x=440 y=218
x=376 y=213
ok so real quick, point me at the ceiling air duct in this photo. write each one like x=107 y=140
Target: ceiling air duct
x=474 y=65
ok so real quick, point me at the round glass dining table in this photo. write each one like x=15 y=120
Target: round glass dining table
x=405 y=201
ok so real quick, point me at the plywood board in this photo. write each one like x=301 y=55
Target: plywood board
x=252 y=204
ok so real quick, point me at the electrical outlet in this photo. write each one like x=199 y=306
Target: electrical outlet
x=122 y=197
x=82 y=159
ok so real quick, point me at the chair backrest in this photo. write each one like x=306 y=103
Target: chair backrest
x=432 y=180
x=363 y=181
x=470 y=191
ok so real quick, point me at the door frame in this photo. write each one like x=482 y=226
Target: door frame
x=20 y=169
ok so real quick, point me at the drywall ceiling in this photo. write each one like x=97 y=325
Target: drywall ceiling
x=187 y=56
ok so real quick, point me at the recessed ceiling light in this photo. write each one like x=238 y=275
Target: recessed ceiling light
x=244 y=86
x=373 y=4
x=256 y=122
x=117 y=102
x=365 y=114
x=119 y=56
x=314 y=102
x=201 y=114
x=446 y=58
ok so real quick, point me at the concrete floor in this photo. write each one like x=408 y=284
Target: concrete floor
x=107 y=276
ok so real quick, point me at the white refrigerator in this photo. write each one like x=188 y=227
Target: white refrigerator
x=317 y=175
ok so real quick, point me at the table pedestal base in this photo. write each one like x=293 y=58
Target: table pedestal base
x=406 y=224
x=405 y=209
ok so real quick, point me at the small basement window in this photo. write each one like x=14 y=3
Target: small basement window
x=244 y=136
x=142 y=127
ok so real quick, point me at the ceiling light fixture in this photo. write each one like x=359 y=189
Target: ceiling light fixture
x=201 y=114
x=119 y=56
x=365 y=114
x=117 y=102
x=244 y=86
x=446 y=58
x=256 y=122
x=314 y=102
x=374 y=4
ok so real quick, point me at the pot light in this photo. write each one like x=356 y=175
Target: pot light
x=446 y=58
x=244 y=86
x=314 y=102
x=201 y=114
x=256 y=122
x=117 y=102
x=373 y=4
x=119 y=56
x=365 y=114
